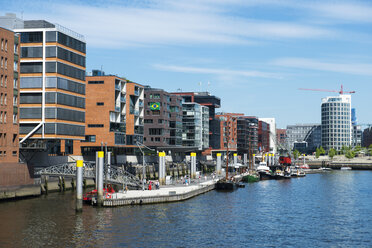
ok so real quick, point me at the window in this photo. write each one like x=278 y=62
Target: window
x=4 y=119
x=14 y=153
x=2 y=80
x=95 y=82
x=15 y=119
x=15 y=84
x=6 y=81
x=2 y=44
x=5 y=99
x=6 y=45
x=148 y=121
x=1 y=99
x=2 y=62
x=1 y=117
x=100 y=103
x=6 y=63
x=95 y=125
x=89 y=138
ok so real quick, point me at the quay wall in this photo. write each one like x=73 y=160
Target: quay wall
x=172 y=197
x=355 y=165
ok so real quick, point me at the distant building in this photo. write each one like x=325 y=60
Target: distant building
x=247 y=132
x=367 y=137
x=272 y=133
x=281 y=136
x=336 y=122
x=114 y=116
x=263 y=137
x=212 y=102
x=163 y=119
x=229 y=132
x=304 y=137
x=195 y=126
x=356 y=129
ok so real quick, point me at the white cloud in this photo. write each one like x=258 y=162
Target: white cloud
x=171 y=23
x=311 y=64
x=216 y=71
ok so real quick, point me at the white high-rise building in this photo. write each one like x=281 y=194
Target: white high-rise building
x=336 y=122
x=271 y=121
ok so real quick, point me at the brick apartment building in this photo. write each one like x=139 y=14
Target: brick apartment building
x=11 y=171
x=247 y=135
x=114 y=115
x=163 y=119
x=229 y=132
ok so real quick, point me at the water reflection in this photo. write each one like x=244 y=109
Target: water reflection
x=332 y=209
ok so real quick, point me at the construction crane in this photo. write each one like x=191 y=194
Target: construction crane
x=341 y=92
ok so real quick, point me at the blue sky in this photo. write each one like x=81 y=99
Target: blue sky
x=255 y=54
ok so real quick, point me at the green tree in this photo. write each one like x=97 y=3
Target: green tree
x=350 y=154
x=317 y=152
x=296 y=154
x=331 y=153
x=370 y=150
x=321 y=150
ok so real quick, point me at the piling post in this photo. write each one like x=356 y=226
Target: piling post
x=235 y=160
x=245 y=158
x=108 y=168
x=193 y=165
x=96 y=169
x=254 y=161
x=162 y=168
x=79 y=185
x=101 y=157
x=218 y=164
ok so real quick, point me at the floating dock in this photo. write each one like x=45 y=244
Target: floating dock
x=162 y=195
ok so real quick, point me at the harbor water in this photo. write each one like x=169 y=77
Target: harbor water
x=320 y=210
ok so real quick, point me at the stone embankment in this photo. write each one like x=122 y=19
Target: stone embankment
x=363 y=163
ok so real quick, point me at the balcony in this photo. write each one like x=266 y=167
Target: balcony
x=140 y=104
x=15 y=75
x=117 y=87
x=122 y=118
x=123 y=99
x=136 y=92
x=16 y=57
x=133 y=111
x=117 y=108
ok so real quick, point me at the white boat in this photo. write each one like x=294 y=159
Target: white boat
x=345 y=168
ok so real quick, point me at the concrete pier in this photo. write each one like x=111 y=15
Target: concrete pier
x=164 y=194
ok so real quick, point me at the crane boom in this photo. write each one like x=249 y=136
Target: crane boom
x=338 y=91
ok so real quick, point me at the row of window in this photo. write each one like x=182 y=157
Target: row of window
x=53 y=52
x=53 y=36
x=52 y=82
x=53 y=67
x=53 y=97
x=54 y=128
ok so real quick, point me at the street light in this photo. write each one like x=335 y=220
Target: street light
x=143 y=161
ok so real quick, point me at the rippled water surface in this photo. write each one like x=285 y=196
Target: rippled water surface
x=320 y=210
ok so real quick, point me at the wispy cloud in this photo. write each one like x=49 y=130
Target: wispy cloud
x=216 y=71
x=311 y=64
x=171 y=23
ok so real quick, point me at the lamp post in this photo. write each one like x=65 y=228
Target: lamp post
x=143 y=162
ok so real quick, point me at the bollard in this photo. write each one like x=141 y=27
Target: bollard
x=101 y=157
x=162 y=168
x=79 y=185
x=193 y=165
x=108 y=171
x=245 y=158
x=218 y=164
x=254 y=161
x=235 y=160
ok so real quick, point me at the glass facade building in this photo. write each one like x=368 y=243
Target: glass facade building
x=336 y=122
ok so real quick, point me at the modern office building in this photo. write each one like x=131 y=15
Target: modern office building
x=114 y=115
x=263 y=137
x=212 y=102
x=304 y=137
x=52 y=85
x=12 y=172
x=195 y=126
x=272 y=134
x=162 y=119
x=229 y=132
x=336 y=122
x=247 y=135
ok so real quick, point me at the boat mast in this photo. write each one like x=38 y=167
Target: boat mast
x=227 y=133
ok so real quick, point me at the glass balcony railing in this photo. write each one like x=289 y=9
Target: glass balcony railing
x=117 y=87
x=140 y=104
x=117 y=108
x=136 y=92
x=123 y=99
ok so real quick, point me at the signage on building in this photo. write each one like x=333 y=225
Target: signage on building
x=155 y=106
